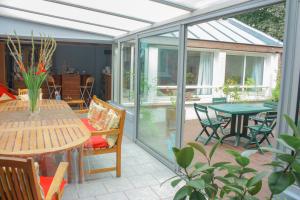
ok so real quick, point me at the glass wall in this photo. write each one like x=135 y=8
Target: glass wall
x=158 y=62
x=127 y=88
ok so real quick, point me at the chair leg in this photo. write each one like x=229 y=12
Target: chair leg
x=206 y=132
x=228 y=122
x=118 y=162
x=211 y=136
x=200 y=134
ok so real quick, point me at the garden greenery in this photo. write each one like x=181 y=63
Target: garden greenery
x=202 y=180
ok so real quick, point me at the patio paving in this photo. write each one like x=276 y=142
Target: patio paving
x=141 y=177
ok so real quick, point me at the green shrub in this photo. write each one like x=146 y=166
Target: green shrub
x=240 y=181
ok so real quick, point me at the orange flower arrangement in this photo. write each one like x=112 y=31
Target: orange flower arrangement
x=35 y=74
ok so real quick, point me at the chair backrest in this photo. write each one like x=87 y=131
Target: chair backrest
x=90 y=81
x=50 y=81
x=201 y=109
x=271 y=104
x=22 y=91
x=120 y=112
x=219 y=100
x=271 y=118
x=23 y=94
x=18 y=179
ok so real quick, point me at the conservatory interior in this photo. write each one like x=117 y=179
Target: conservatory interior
x=149 y=99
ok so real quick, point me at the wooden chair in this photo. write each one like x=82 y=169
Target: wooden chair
x=52 y=87
x=19 y=180
x=213 y=124
x=87 y=90
x=24 y=92
x=116 y=148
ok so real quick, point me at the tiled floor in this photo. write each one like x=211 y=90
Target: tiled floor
x=141 y=178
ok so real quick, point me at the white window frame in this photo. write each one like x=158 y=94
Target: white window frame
x=245 y=54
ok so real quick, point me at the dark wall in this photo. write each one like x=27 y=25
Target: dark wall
x=83 y=57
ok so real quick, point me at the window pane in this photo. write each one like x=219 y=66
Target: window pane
x=127 y=74
x=158 y=62
x=234 y=69
x=199 y=72
x=167 y=73
x=254 y=70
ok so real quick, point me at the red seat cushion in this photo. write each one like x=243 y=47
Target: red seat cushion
x=46 y=183
x=96 y=142
x=86 y=122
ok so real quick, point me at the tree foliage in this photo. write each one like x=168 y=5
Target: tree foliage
x=269 y=20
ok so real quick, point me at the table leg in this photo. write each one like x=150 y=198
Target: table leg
x=80 y=164
x=238 y=131
x=232 y=128
x=245 y=124
x=69 y=159
x=233 y=124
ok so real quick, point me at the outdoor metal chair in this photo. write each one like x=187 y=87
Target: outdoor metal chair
x=86 y=90
x=213 y=124
x=52 y=87
x=225 y=118
x=264 y=128
x=271 y=115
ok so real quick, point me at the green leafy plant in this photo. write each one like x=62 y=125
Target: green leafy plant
x=231 y=90
x=240 y=182
x=190 y=78
x=201 y=178
x=287 y=165
x=276 y=92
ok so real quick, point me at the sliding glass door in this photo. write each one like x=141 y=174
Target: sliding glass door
x=158 y=66
x=127 y=88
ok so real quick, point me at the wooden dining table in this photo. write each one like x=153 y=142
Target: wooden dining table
x=55 y=129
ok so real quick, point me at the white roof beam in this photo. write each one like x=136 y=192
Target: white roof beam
x=59 y=17
x=100 y=11
x=175 y=5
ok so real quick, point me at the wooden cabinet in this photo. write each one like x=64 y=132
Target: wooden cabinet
x=70 y=86
x=106 y=86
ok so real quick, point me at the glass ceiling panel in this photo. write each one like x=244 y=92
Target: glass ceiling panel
x=200 y=4
x=69 y=12
x=143 y=9
x=58 y=22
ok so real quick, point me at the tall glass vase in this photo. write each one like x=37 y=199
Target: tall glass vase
x=34 y=100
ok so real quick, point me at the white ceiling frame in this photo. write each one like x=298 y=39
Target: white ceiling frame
x=204 y=15
x=59 y=17
x=175 y=5
x=55 y=25
x=99 y=11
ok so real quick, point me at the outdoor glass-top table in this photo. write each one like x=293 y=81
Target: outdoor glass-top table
x=239 y=117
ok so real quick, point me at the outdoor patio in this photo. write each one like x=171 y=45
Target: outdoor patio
x=99 y=99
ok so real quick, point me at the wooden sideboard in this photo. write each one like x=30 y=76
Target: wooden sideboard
x=106 y=86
